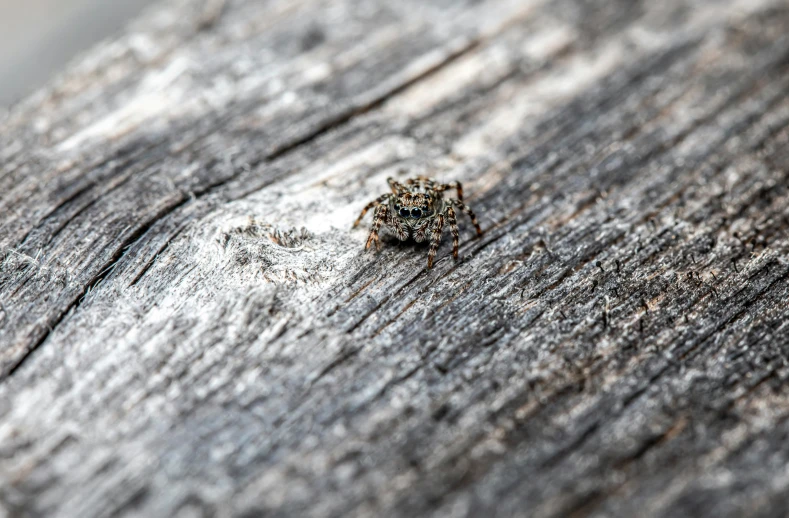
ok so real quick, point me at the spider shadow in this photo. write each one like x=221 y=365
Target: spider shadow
x=416 y=248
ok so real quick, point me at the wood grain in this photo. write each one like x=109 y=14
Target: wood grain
x=190 y=326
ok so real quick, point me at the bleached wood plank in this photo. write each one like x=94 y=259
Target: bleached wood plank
x=191 y=324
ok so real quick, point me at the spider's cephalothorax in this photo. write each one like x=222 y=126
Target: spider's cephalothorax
x=418 y=209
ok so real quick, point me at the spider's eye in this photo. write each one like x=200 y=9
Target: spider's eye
x=404 y=213
x=416 y=213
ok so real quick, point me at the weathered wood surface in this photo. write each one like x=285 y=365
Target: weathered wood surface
x=188 y=324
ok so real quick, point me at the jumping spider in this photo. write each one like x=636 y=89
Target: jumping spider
x=418 y=209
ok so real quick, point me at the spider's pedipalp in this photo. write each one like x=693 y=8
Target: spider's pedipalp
x=394 y=223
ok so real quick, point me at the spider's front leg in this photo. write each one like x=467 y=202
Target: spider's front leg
x=436 y=239
x=453 y=227
x=380 y=216
x=369 y=206
x=465 y=208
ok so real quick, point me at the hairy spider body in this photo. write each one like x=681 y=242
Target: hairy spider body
x=418 y=210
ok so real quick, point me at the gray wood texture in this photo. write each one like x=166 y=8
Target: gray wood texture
x=38 y=38
x=189 y=327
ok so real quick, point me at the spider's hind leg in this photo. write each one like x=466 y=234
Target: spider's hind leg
x=457 y=186
x=441 y=187
x=397 y=187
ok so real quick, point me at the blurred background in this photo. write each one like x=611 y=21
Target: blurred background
x=39 y=37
